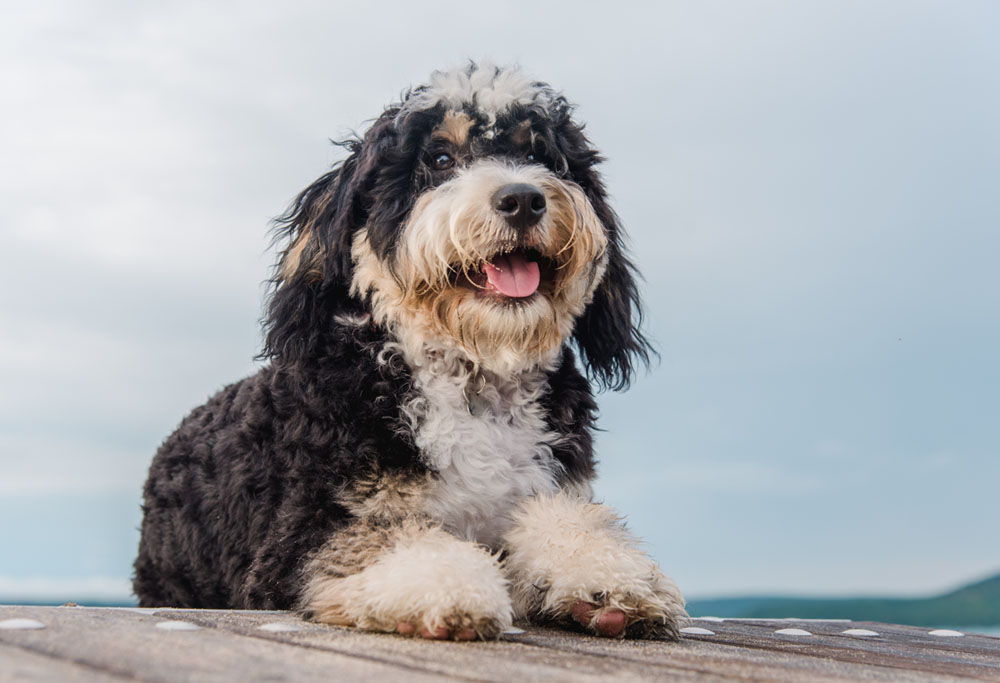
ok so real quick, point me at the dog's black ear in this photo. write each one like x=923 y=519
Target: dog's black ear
x=312 y=279
x=608 y=333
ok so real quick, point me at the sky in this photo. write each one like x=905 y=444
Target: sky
x=810 y=190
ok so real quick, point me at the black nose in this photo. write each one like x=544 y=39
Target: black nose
x=521 y=204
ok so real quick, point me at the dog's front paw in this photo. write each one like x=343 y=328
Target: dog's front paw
x=574 y=563
x=428 y=584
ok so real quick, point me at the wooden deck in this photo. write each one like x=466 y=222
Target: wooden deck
x=102 y=644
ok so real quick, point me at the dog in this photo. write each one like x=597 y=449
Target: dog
x=416 y=455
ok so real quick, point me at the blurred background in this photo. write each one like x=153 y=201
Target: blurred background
x=811 y=190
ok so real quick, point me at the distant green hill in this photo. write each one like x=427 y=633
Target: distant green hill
x=977 y=604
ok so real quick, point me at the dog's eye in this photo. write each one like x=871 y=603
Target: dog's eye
x=443 y=161
x=530 y=156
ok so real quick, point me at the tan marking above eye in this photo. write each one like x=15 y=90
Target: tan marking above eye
x=454 y=128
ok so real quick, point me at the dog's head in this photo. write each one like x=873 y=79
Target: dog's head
x=469 y=216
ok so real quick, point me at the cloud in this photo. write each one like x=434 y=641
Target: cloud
x=715 y=478
x=806 y=187
x=35 y=463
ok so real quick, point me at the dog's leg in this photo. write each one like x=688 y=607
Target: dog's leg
x=573 y=562
x=410 y=578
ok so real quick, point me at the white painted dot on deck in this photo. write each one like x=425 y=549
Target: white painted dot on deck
x=178 y=626
x=695 y=631
x=20 y=625
x=715 y=619
x=278 y=627
x=859 y=632
x=946 y=633
x=792 y=632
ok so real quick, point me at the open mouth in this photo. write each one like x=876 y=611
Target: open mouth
x=513 y=274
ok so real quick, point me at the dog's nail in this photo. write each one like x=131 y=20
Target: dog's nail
x=404 y=628
x=466 y=634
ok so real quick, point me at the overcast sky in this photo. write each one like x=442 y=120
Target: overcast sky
x=811 y=190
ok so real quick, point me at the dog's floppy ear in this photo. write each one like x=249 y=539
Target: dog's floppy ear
x=312 y=279
x=608 y=332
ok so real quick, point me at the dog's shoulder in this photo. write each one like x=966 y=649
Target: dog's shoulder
x=336 y=410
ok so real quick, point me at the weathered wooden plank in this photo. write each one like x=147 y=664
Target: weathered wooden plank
x=734 y=663
x=754 y=649
x=501 y=661
x=129 y=644
x=108 y=644
x=897 y=647
x=23 y=665
x=135 y=630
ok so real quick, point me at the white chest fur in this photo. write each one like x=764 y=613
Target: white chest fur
x=487 y=441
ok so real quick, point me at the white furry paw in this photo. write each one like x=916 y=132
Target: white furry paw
x=573 y=562
x=428 y=584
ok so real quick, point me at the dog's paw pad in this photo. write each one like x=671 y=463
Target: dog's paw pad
x=458 y=632
x=623 y=615
x=609 y=623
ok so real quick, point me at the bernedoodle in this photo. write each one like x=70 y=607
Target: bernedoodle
x=416 y=456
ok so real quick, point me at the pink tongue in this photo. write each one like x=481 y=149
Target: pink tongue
x=513 y=275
